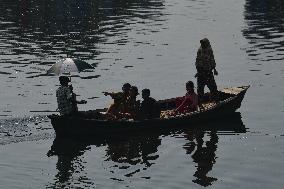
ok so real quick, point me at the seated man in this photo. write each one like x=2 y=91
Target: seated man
x=149 y=108
x=189 y=102
x=64 y=97
x=119 y=100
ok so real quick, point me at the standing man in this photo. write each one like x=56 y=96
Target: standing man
x=205 y=64
x=64 y=97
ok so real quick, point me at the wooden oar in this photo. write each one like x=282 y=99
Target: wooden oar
x=43 y=111
x=51 y=111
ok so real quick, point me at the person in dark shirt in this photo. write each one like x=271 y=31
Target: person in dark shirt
x=64 y=97
x=206 y=69
x=149 y=108
x=74 y=100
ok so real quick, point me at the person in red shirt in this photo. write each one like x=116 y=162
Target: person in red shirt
x=189 y=102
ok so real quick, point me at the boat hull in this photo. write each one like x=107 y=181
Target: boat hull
x=79 y=126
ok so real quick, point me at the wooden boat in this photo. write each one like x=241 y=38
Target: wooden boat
x=229 y=101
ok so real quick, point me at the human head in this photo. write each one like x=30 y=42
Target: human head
x=145 y=93
x=133 y=91
x=189 y=86
x=126 y=87
x=204 y=43
x=64 y=80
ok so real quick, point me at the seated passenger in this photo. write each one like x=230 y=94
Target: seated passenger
x=189 y=102
x=119 y=100
x=149 y=108
x=132 y=104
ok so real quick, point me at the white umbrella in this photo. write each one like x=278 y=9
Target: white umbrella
x=69 y=65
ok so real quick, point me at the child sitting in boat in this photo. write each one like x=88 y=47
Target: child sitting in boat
x=189 y=102
x=149 y=107
x=185 y=104
x=119 y=101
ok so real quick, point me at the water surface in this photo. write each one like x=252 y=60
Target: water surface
x=151 y=44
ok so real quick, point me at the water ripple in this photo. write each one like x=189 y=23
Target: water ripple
x=24 y=129
x=264 y=29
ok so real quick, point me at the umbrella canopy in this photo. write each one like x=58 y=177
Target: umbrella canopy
x=69 y=65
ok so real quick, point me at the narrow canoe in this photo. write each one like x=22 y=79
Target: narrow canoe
x=229 y=101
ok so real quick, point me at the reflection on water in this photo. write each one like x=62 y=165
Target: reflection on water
x=130 y=155
x=202 y=145
x=70 y=27
x=69 y=163
x=141 y=150
x=203 y=154
x=265 y=29
x=34 y=34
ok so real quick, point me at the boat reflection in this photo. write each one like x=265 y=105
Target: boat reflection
x=135 y=152
x=70 y=162
x=130 y=155
x=203 y=154
x=202 y=145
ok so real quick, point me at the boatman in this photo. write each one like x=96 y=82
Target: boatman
x=205 y=65
x=64 y=97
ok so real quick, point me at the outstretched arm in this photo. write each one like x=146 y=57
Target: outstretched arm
x=112 y=94
x=106 y=93
x=81 y=102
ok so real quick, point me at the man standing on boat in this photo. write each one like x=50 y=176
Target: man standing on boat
x=205 y=64
x=64 y=97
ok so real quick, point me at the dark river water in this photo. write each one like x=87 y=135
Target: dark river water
x=151 y=44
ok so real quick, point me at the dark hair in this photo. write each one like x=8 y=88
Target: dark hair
x=189 y=84
x=135 y=89
x=64 y=80
x=126 y=86
x=146 y=92
x=205 y=42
